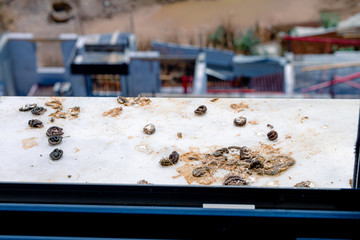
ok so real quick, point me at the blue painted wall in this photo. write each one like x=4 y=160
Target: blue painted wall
x=222 y=58
x=6 y=78
x=78 y=82
x=23 y=65
x=19 y=70
x=255 y=69
x=144 y=75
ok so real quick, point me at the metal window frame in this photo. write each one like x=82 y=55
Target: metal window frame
x=168 y=222
x=63 y=210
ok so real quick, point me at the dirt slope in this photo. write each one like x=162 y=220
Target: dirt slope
x=164 y=20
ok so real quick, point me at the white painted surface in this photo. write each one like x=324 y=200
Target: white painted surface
x=228 y=206
x=101 y=149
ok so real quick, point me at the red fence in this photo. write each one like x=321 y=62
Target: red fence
x=271 y=83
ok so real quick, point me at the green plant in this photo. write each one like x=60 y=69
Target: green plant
x=329 y=19
x=214 y=38
x=246 y=43
x=222 y=36
x=344 y=49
